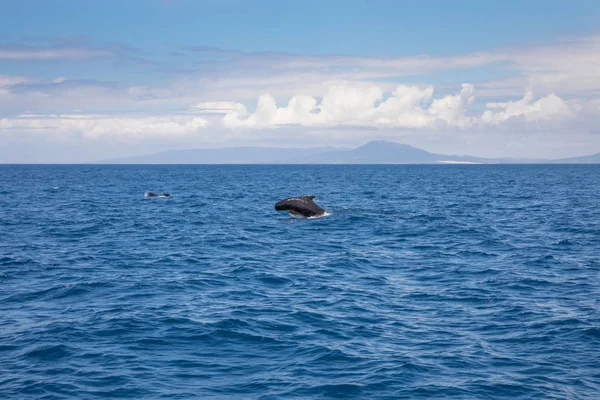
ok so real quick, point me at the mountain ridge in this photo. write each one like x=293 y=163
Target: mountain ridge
x=373 y=152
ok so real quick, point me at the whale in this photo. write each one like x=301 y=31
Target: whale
x=300 y=206
x=152 y=194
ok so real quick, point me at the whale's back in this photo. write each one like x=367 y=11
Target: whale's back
x=301 y=205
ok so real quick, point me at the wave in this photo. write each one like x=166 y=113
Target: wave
x=411 y=289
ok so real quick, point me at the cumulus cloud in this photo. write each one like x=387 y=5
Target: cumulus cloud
x=353 y=104
x=359 y=104
x=548 y=107
x=94 y=126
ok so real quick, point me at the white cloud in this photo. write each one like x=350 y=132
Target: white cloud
x=217 y=107
x=332 y=99
x=41 y=53
x=346 y=103
x=568 y=67
x=94 y=126
x=452 y=108
x=353 y=104
x=9 y=80
x=548 y=107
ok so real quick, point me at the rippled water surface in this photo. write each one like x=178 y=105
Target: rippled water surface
x=424 y=282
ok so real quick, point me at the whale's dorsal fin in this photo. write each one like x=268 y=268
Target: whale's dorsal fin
x=307 y=197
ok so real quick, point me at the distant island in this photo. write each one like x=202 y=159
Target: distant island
x=376 y=152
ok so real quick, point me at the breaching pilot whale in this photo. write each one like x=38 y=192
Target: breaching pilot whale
x=152 y=194
x=303 y=205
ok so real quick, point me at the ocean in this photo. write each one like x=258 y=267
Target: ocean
x=424 y=282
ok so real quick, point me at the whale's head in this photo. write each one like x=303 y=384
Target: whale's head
x=281 y=205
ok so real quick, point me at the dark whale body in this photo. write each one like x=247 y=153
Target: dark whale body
x=152 y=194
x=304 y=206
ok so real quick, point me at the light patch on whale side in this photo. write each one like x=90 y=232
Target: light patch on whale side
x=325 y=214
x=294 y=214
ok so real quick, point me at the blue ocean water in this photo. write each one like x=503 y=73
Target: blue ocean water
x=467 y=282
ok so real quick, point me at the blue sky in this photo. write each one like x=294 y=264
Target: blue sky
x=384 y=28
x=83 y=80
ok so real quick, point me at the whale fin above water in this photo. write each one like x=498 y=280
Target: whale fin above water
x=303 y=205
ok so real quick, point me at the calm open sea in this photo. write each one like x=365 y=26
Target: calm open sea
x=454 y=281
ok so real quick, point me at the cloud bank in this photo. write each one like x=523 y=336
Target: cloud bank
x=93 y=127
x=406 y=107
x=224 y=97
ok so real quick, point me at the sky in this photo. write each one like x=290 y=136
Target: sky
x=83 y=81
